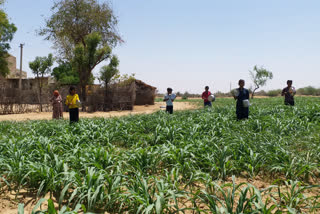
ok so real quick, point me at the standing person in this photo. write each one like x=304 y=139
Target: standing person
x=205 y=96
x=169 y=98
x=288 y=93
x=56 y=101
x=242 y=97
x=72 y=102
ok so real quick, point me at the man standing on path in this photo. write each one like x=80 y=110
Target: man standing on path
x=169 y=98
x=288 y=93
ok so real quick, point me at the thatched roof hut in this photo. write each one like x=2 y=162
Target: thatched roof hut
x=145 y=94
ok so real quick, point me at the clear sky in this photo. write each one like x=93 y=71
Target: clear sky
x=187 y=44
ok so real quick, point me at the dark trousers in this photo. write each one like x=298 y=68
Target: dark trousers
x=169 y=109
x=74 y=115
x=242 y=113
x=289 y=103
x=207 y=104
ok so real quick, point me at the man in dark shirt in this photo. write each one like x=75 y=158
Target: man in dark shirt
x=288 y=93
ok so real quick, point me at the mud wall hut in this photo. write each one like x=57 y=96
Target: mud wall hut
x=145 y=94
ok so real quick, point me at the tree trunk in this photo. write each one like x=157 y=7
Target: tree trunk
x=84 y=79
x=83 y=96
x=254 y=92
x=105 y=104
x=40 y=93
x=40 y=98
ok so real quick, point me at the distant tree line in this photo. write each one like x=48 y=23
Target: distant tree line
x=305 y=91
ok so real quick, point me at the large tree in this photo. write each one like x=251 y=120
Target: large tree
x=73 y=24
x=40 y=67
x=87 y=57
x=7 y=31
x=259 y=76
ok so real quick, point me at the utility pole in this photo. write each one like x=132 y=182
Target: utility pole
x=20 y=78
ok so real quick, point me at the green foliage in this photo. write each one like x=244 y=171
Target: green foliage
x=73 y=20
x=83 y=31
x=274 y=93
x=7 y=31
x=64 y=74
x=163 y=163
x=260 y=76
x=185 y=95
x=87 y=56
x=110 y=73
x=41 y=65
x=51 y=209
x=126 y=79
x=309 y=90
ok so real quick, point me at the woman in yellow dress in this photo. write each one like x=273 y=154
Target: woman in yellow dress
x=73 y=103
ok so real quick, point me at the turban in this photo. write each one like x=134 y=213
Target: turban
x=56 y=93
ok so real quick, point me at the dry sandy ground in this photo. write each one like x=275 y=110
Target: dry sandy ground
x=137 y=110
x=8 y=203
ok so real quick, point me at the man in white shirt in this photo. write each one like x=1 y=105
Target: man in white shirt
x=169 y=98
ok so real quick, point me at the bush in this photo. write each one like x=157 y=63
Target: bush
x=309 y=90
x=185 y=96
x=221 y=94
x=274 y=93
x=261 y=93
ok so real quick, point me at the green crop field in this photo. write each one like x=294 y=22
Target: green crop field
x=188 y=162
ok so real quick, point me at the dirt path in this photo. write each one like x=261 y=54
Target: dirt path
x=137 y=110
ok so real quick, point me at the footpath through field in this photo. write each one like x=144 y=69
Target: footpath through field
x=137 y=110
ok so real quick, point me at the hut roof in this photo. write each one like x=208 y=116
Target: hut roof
x=140 y=83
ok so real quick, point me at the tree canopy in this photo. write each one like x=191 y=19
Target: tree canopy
x=109 y=73
x=66 y=75
x=40 y=67
x=7 y=31
x=73 y=20
x=259 y=76
x=83 y=32
x=87 y=57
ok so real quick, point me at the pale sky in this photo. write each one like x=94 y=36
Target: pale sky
x=187 y=44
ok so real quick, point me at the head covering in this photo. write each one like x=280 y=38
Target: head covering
x=56 y=93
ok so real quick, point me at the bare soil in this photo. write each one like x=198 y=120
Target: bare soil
x=9 y=202
x=148 y=109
